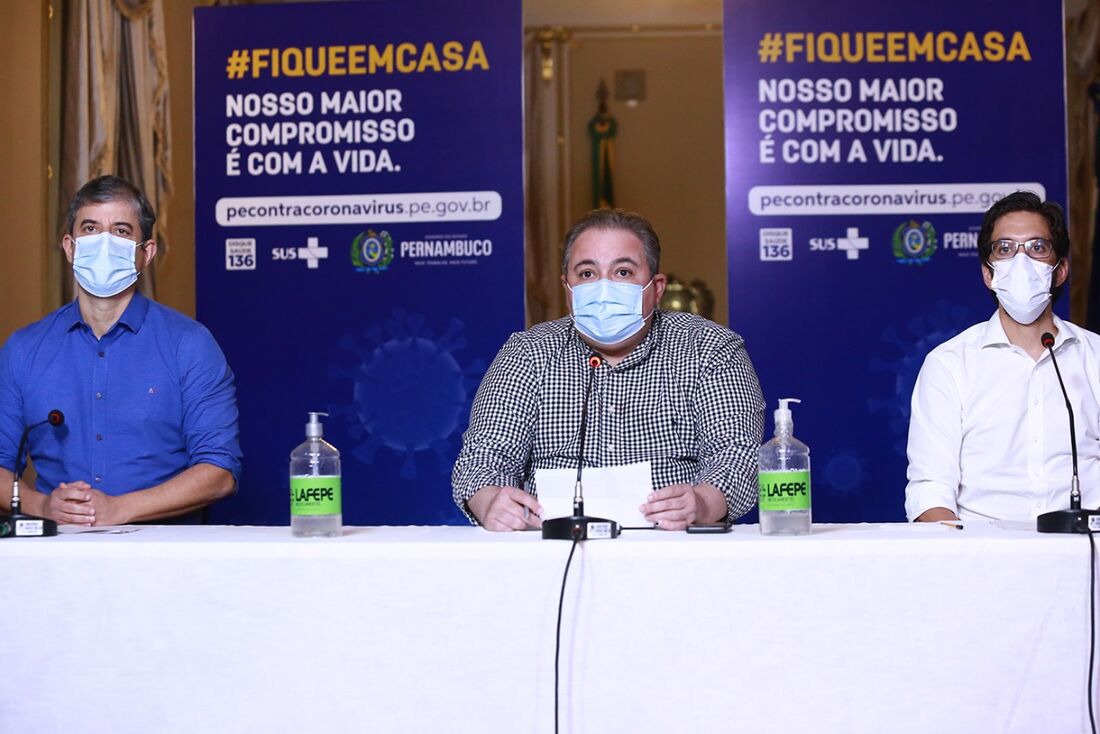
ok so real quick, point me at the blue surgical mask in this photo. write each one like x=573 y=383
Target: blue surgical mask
x=608 y=312
x=104 y=264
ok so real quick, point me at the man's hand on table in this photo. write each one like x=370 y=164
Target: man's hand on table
x=78 y=503
x=505 y=508
x=936 y=514
x=69 y=504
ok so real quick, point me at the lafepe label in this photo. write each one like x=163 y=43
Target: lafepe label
x=315 y=496
x=782 y=491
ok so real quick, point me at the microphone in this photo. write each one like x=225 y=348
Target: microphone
x=18 y=524
x=579 y=526
x=1073 y=520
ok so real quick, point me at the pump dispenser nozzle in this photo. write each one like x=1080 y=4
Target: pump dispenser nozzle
x=784 y=422
x=314 y=429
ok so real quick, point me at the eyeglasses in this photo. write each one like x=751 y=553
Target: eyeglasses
x=1038 y=249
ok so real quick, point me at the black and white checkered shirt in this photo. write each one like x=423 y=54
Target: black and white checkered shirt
x=686 y=399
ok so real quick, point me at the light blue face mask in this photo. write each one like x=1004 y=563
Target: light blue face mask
x=104 y=263
x=608 y=312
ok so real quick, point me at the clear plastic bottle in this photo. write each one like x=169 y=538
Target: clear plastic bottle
x=784 y=479
x=315 y=501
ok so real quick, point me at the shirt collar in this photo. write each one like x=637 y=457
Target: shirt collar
x=132 y=318
x=1067 y=332
x=994 y=332
x=134 y=315
x=639 y=353
x=643 y=350
x=70 y=315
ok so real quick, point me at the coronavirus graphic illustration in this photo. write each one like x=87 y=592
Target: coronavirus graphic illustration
x=921 y=335
x=408 y=393
x=843 y=472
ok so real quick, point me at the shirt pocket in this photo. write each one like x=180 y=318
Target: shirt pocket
x=149 y=410
x=661 y=429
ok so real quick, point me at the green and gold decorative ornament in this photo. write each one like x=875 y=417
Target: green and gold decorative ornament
x=602 y=129
x=372 y=252
x=914 y=242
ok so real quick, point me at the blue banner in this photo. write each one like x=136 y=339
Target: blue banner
x=359 y=235
x=864 y=142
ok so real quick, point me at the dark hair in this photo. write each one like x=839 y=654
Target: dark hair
x=1026 y=201
x=112 y=188
x=636 y=224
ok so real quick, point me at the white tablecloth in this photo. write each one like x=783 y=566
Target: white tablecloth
x=857 y=628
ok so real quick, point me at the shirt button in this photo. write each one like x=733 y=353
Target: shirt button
x=611 y=409
x=99 y=396
x=98 y=437
x=611 y=447
x=98 y=480
x=102 y=354
x=1035 y=401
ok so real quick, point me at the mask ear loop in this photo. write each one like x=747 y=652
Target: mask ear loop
x=1054 y=270
x=655 y=304
x=140 y=246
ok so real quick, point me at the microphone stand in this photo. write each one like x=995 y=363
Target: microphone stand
x=1075 y=519
x=19 y=524
x=579 y=526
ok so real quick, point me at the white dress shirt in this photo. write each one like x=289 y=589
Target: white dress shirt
x=989 y=433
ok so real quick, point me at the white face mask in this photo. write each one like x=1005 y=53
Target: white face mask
x=1022 y=285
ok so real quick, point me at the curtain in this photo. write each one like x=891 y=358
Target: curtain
x=114 y=108
x=546 y=205
x=1082 y=70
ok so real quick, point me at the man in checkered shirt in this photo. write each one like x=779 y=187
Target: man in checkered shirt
x=673 y=389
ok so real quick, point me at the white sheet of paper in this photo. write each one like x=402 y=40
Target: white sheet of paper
x=610 y=492
x=106 y=529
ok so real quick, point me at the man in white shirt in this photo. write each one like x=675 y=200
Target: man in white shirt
x=989 y=434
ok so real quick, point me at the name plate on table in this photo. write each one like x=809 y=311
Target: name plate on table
x=29 y=528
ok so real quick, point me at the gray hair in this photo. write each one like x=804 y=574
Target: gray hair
x=635 y=224
x=112 y=188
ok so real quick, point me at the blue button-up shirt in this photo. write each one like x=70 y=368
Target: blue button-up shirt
x=151 y=398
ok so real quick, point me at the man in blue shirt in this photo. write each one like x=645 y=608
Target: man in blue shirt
x=150 y=408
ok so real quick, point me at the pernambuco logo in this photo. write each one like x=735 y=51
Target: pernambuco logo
x=372 y=252
x=914 y=242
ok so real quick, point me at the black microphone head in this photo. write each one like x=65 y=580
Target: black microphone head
x=55 y=418
x=1047 y=340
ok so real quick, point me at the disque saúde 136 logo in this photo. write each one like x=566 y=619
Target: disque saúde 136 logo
x=372 y=252
x=914 y=242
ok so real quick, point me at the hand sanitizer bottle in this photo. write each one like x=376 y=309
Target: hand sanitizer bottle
x=315 y=506
x=784 y=479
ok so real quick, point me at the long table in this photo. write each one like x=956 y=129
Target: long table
x=854 y=628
